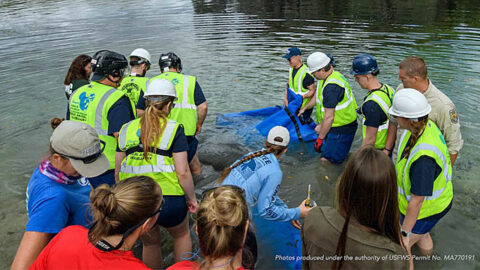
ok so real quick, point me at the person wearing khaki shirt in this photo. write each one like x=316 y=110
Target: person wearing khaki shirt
x=413 y=74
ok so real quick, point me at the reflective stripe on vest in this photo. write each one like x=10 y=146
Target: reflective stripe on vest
x=424 y=146
x=185 y=104
x=98 y=113
x=160 y=166
x=349 y=97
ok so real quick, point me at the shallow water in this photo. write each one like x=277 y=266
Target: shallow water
x=235 y=49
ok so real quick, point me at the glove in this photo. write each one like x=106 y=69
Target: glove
x=318 y=145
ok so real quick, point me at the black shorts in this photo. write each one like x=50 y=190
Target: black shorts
x=173 y=212
x=192 y=147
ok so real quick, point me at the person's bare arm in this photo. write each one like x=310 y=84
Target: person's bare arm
x=30 y=247
x=391 y=137
x=185 y=179
x=119 y=156
x=370 y=136
x=202 y=114
x=324 y=127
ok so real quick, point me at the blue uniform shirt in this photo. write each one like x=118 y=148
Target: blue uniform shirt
x=260 y=177
x=53 y=206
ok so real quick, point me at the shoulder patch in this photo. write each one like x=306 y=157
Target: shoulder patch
x=453 y=116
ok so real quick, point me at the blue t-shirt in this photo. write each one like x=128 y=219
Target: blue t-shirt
x=332 y=95
x=261 y=177
x=374 y=115
x=198 y=97
x=53 y=206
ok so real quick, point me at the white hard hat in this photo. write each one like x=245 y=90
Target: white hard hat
x=278 y=135
x=160 y=87
x=316 y=61
x=409 y=103
x=142 y=53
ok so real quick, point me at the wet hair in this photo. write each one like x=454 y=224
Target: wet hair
x=414 y=66
x=221 y=223
x=151 y=129
x=417 y=128
x=270 y=148
x=367 y=192
x=122 y=206
x=77 y=69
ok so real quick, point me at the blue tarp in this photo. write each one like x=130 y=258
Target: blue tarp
x=250 y=123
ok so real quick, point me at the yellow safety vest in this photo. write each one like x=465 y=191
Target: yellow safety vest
x=185 y=110
x=383 y=97
x=296 y=83
x=90 y=104
x=131 y=86
x=160 y=165
x=431 y=143
x=345 y=111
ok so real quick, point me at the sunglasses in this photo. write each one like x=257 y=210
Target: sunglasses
x=233 y=187
x=86 y=160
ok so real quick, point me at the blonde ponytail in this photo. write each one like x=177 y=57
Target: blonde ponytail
x=151 y=128
x=417 y=129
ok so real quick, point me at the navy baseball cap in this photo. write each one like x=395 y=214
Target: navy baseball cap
x=292 y=52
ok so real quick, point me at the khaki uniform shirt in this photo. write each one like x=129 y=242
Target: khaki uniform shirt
x=364 y=250
x=445 y=116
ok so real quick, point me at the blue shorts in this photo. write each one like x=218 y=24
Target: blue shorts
x=421 y=226
x=336 y=147
x=173 y=212
x=192 y=147
x=106 y=178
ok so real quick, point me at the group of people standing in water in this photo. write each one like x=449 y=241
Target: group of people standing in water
x=123 y=164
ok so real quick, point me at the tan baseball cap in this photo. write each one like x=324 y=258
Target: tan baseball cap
x=278 y=135
x=80 y=143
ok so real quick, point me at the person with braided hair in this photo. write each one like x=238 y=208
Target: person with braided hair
x=259 y=174
x=424 y=170
x=121 y=214
x=222 y=224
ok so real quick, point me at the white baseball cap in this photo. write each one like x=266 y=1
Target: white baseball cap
x=278 y=136
x=80 y=143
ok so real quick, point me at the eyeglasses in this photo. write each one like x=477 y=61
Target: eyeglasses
x=233 y=187
x=86 y=160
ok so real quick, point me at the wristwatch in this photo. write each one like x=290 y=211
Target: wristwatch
x=405 y=234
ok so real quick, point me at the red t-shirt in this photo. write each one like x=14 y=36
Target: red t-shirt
x=70 y=249
x=186 y=265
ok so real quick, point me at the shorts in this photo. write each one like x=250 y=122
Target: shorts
x=106 y=178
x=421 y=226
x=192 y=147
x=336 y=147
x=173 y=212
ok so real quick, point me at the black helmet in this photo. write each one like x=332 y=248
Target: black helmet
x=106 y=63
x=170 y=60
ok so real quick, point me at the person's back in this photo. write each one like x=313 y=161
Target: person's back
x=366 y=249
x=364 y=231
x=71 y=249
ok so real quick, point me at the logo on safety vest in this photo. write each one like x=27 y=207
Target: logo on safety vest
x=84 y=100
x=175 y=81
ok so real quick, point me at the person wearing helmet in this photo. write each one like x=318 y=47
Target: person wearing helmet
x=101 y=106
x=376 y=103
x=335 y=109
x=191 y=107
x=155 y=146
x=413 y=74
x=424 y=170
x=134 y=85
x=299 y=80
